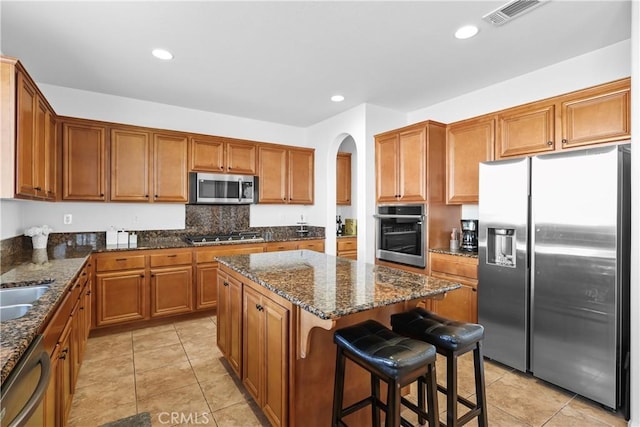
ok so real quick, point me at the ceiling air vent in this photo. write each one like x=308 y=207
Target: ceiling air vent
x=511 y=10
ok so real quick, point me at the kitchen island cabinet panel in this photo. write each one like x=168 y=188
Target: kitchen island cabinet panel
x=229 y=321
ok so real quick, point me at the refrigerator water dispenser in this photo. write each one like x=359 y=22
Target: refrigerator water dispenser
x=501 y=246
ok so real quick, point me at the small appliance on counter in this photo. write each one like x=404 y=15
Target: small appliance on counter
x=469 y=235
x=350 y=227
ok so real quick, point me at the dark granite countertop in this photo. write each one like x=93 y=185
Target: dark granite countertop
x=447 y=251
x=17 y=334
x=331 y=287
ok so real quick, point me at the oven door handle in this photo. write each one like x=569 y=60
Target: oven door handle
x=388 y=216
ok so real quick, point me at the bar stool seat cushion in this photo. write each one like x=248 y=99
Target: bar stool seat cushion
x=443 y=333
x=377 y=345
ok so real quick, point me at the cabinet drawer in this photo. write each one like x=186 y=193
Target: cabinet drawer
x=347 y=244
x=209 y=254
x=171 y=258
x=453 y=267
x=124 y=262
x=281 y=246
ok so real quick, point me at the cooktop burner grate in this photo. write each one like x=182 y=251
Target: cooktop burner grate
x=209 y=239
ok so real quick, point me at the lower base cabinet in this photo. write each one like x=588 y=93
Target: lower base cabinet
x=265 y=361
x=171 y=291
x=229 y=320
x=347 y=247
x=121 y=297
x=461 y=304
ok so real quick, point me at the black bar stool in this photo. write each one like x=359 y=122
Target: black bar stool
x=390 y=357
x=452 y=339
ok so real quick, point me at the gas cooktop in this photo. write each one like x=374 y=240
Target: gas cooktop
x=210 y=239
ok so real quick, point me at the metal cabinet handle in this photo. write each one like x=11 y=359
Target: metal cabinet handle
x=564 y=141
x=549 y=143
x=121 y=259
x=172 y=256
x=225 y=283
x=38 y=393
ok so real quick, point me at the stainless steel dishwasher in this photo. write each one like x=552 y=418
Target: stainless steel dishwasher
x=24 y=389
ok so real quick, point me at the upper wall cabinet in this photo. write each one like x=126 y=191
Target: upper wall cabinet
x=410 y=163
x=34 y=130
x=469 y=142
x=224 y=155
x=596 y=115
x=343 y=179
x=148 y=167
x=83 y=161
x=286 y=174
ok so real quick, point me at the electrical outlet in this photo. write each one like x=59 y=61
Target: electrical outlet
x=67 y=219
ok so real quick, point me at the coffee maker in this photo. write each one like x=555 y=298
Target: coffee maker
x=469 y=229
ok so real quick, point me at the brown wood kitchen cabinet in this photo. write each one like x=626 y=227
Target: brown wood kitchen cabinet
x=404 y=161
x=129 y=152
x=36 y=142
x=223 y=155
x=290 y=245
x=595 y=115
x=169 y=168
x=286 y=174
x=122 y=290
x=207 y=270
x=343 y=179
x=229 y=320
x=265 y=346
x=347 y=247
x=462 y=303
x=83 y=160
x=469 y=142
x=171 y=282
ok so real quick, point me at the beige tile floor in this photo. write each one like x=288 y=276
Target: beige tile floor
x=177 y=369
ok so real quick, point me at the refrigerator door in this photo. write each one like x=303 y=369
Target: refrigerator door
x=503 y=263
x=574 y=202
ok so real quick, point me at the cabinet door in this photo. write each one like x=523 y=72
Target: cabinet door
x=65 y=372
x=50 y=401
x=343 y=179
x=121 y=297
x=387 y=168
x=468 y=143
x=276 y=361
x=40 y=148
x=596 y=116
x=252 y=343
x=222 y=314
x=129 y=165
x=272 y=172
x=207 y=154
x=526 y=131
x=171 y=291
x=301 y=176
x=51 y=179
x=235 y=326
x=83 y=162
x=241 y=157
x=206 y=286
x=412 y=166
x=460 y=304
x=25 y=137
x=170 y=168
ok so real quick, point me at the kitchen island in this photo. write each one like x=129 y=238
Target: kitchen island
x=276 y=316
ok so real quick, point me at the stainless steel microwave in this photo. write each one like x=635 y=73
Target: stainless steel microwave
x=222 y=189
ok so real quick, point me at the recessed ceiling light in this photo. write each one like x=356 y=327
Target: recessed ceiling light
x=162 y=54
x=337 y=98
x=466 y=32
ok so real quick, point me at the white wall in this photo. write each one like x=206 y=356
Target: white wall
x=20 y=214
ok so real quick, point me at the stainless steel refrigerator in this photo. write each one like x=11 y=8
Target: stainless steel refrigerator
x=554 y=254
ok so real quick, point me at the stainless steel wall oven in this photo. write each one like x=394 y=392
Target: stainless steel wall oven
x=401 y=234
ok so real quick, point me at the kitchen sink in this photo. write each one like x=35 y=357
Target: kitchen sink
x=21 y=295
x=8 y=312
